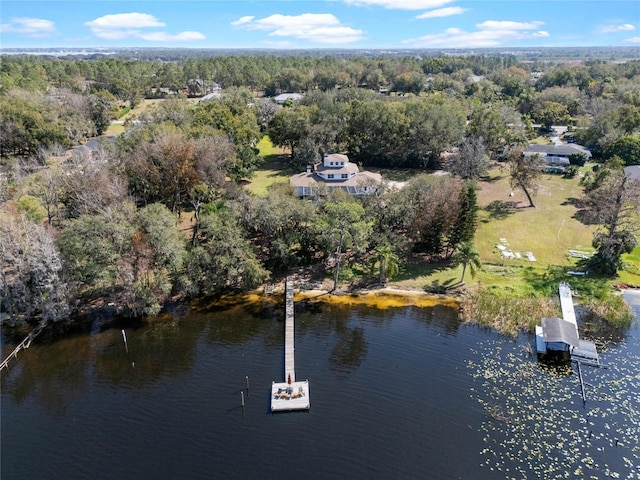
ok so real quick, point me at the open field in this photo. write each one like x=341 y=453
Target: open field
x=548 y=231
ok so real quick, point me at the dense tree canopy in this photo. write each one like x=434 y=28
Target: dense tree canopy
x=612 y=200
x=159 y=212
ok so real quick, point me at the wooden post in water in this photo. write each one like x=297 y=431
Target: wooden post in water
x=242 y=400
x=584 y=398
x=247 y=377
x=124 y=337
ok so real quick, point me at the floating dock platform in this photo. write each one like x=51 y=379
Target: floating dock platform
x=289 y=395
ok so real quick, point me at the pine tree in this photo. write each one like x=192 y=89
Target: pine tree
x=465 y=226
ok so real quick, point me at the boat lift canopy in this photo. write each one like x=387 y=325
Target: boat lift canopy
x=556 y=330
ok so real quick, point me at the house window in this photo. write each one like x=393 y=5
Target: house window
x=341 y=164
x=330 y=163
x=345 y=175
x=330 y=176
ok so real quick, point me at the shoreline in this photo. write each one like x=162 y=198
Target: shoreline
x=380 y=296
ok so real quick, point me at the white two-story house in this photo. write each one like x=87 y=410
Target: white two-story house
x=335 y=171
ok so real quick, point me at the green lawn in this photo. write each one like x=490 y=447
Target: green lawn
x=548 y=231
x=276 y=168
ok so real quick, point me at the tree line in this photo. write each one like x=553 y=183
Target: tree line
x=56 y=101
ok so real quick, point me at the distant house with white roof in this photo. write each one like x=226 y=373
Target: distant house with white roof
x=283 y=97
x=335 y=171
x=556 y=154
x=211 y=96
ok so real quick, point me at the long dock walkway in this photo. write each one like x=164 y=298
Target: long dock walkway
x=566 y=303
x=289 y=346
x=290 y=394
x=586 y=352
x=24 y=344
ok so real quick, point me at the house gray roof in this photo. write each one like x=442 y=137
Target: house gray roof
x=336 y=157
x=283 y=97
x=312 y=178
x=348 y=168
x=563 y=150
x=556 y=329
x=633 y=171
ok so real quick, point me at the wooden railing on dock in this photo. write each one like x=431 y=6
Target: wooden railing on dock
x=26 y=343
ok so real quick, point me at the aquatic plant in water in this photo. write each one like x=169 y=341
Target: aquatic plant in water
x=537 y=425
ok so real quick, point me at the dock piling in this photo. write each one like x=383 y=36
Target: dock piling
x=584 y=398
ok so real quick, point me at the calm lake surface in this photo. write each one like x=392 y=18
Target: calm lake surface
x=396 y=393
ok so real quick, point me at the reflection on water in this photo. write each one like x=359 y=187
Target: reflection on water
x=396 y=392
x=349 y=350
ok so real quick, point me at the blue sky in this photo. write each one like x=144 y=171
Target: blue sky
x=376 y=24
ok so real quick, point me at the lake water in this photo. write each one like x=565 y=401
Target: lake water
x=395 y=393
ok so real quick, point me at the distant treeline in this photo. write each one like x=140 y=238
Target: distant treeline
x=67 y=101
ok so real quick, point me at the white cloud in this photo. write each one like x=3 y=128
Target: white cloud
x=29 y=26
x=633 y=40
x=315 y=27
x=627 y=27
x=125 y=25
x=507 y=25
x=489 y=34
x=243 y=20
x=280 y=22
x=400 y=4
x=125 y=20
x=442 y=12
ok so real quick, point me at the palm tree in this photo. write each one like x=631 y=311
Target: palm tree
x=386 y=262
x=468 y=256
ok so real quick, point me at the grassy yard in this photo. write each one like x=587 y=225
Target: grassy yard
x=548 y=231
x=275 y=169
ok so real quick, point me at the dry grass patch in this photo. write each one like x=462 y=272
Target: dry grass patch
x=505 y=313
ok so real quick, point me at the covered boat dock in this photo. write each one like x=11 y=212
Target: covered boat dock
x=561 y=334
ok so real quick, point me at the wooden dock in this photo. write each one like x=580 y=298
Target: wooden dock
x=26 y=343
x=289 y=395
x=586 y=351
x=289 y=347
x=566 y=303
